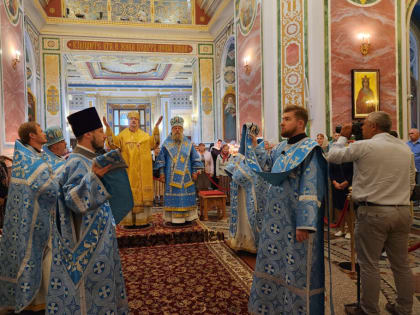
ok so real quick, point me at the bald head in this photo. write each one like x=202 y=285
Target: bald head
x=413 y=134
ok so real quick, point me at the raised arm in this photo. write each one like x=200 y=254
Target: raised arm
x=339 y=153
x=155 y=138
x=112 y=141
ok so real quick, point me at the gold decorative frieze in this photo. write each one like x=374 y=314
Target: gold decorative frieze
x=204 y=28
x=131 y=47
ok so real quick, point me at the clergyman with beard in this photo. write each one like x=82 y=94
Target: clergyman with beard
x=85 y=253
x=290 y=254
x=178 y=163
x=135 y=145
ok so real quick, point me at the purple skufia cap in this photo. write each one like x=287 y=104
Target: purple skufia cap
x=84 y=121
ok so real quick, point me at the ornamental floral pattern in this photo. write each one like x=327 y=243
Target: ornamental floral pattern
x=292 y=52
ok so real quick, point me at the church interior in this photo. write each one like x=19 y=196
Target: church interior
x=218 y=64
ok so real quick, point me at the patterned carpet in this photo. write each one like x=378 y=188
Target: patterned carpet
x=161 y=234
x=340 y=252
x=416 y=220
x=200 y=278
x=215 y=224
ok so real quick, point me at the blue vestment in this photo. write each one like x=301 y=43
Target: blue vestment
x=247 y=199
x=117 y=184
x=32 y=198
x=86 y=275
x=178 y=163
x=289 y=275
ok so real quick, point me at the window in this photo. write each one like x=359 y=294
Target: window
x=121 y=119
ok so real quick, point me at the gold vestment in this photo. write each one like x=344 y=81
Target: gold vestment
x=136 y=150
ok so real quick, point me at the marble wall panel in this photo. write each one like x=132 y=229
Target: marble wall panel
x=14 y=103
x=347 y=21
x=250 y=104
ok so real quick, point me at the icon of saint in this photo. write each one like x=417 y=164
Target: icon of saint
x=230 y=120
x=366 y=101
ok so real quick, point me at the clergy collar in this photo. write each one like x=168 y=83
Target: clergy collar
x=84 y=151
x=84 y=148
x=296 y=138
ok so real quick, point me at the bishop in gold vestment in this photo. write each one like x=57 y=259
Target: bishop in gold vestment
x=136 y=146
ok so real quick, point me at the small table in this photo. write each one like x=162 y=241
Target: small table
x=210 y=199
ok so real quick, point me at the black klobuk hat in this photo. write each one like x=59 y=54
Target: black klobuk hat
x=84 y=121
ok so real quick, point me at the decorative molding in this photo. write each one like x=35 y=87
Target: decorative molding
x=206 y=95
x=205 y=49
x=34 y=34
x=52 y=20
x=77 y=85
x=50 y=43
x=52 y=89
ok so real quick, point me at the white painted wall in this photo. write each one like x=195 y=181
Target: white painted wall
x=316 y=67
x=270 y=77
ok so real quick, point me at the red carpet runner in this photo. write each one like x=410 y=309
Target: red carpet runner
x=194 y=278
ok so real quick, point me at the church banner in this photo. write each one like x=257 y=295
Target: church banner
x=131 y=47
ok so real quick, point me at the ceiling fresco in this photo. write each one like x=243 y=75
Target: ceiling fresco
x=133 y=69
x=127 y=71
x=184 y=12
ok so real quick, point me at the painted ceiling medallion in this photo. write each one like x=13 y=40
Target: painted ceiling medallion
x=364 y=3
x=128 y=68
x=129 y=72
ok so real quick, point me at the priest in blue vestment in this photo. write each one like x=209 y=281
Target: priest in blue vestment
x=178 y=163
x=25 y=246
x=86 y=275
x=56 y=146
x=247 y=198
x=289 y=271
